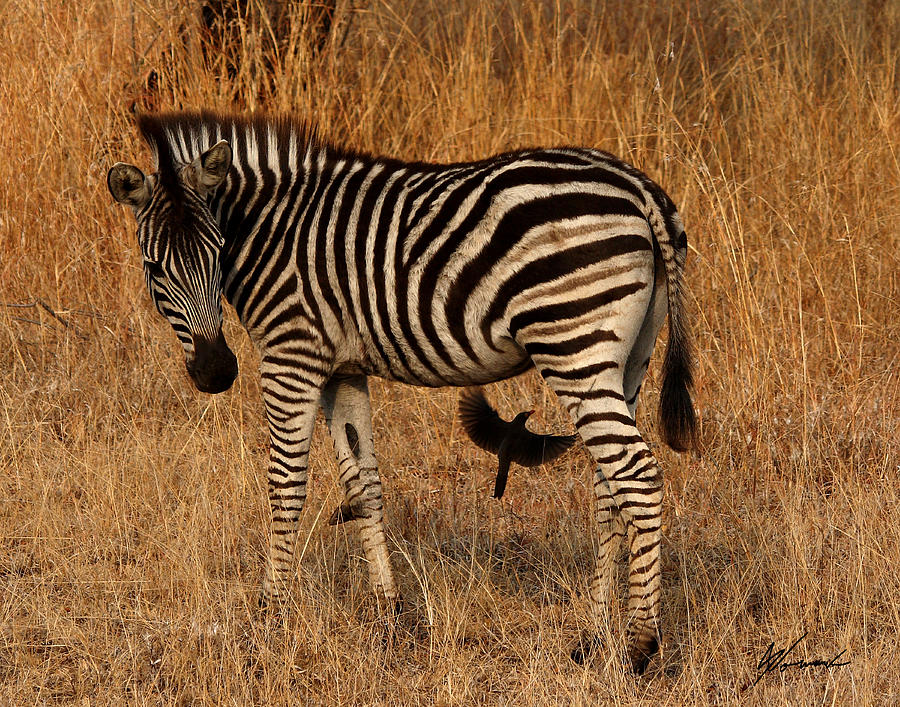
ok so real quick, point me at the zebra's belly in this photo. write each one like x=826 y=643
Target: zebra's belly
x=495 y=366
x=481 y=372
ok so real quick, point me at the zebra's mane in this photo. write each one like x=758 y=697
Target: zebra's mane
x=176 y=138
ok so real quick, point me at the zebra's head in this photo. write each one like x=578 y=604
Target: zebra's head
x=181 y=246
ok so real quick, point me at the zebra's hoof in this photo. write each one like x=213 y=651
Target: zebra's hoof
x=393 y=628
x=639 y=654
x=268 y=598
x=641 y=651
x=342 y=514
x=583 y=649
x=389 y=608
x=396 y=607
x=269 y=608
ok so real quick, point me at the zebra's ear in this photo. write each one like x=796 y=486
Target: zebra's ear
x=212 y=166
x=128 y=185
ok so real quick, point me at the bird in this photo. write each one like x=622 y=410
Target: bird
x=510 y=441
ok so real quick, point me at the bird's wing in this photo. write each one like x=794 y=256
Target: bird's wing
x=532 y=449
x=480 y=421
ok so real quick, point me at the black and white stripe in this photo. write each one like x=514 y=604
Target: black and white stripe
x=341 y=265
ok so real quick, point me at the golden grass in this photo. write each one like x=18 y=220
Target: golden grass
x=132 y=508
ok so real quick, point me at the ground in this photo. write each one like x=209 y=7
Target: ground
x=133 y=517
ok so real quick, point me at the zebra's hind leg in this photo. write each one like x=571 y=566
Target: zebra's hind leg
x=627 y=484
x=345 y=401
x=611 y=531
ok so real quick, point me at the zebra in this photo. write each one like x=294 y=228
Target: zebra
x=341 y=265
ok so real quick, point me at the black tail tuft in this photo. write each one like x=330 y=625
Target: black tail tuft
x=676 y=411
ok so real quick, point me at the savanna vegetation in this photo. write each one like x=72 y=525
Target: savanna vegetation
x=133 y=512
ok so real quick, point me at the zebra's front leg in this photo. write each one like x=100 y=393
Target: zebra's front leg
x=291 y=411
x=345 y=401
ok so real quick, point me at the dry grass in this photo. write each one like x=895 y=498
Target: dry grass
x=132 y=508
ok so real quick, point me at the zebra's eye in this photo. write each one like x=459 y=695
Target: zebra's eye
x=154 y=269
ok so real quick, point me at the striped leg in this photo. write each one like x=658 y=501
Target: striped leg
x=346 y=405
x=612 y=530
x=592 y=360
x=637 y=488
x=291 y=402
x=628 y=491
x=634 y=490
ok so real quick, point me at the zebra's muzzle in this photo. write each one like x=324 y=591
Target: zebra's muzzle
x=213 y=367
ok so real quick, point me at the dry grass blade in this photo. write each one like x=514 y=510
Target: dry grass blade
x=132 y=509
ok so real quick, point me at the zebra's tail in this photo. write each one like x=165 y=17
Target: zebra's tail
x=676 y=411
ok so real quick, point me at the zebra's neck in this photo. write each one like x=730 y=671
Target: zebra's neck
x=280 y=171
x=273 y=167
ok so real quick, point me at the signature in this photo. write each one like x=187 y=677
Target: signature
x=773 y=660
